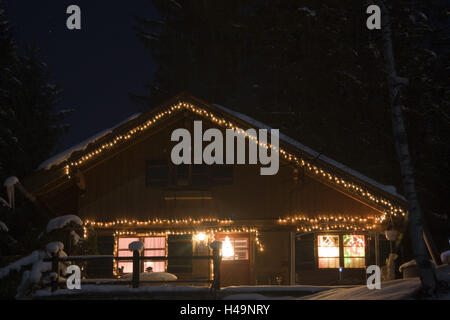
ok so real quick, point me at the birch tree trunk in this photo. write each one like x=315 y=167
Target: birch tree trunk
x=426 y=269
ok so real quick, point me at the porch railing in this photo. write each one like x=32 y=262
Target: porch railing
x=136 y=259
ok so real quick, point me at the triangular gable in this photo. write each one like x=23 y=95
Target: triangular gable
x=60 y=168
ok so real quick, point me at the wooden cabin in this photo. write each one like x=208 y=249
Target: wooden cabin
x=314 y=222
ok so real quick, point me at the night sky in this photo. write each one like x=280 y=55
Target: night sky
x=97 y=66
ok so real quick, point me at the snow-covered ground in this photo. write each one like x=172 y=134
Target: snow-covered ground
x=400 y=289
x=120 y=290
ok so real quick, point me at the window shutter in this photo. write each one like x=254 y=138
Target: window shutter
x=181 y=246
x=102 y=268
x=304 y=252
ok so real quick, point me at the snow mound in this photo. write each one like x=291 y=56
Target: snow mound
x=54 y=247
x=400 y=289
x=136 y=246
x=3 y=227
x=445 y=257
x=10 y=181
x=61 y=222
x=153 y=276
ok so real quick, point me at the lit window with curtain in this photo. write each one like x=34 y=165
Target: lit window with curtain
x=328 y=251
x=155 y=247
x=354 y=251
x=122 y=247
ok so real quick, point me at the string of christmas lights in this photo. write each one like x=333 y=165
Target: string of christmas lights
x=323 y=223
x=155 y=222
x=354 y=188
x=210 y=231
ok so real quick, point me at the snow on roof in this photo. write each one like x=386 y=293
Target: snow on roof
x=3 y=227
x=61 y=222
x=388 y=189
x=61 y=157
x=10 y=181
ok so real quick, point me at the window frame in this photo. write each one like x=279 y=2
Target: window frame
x=233 y=237
x=142 y=239
x=340 y=234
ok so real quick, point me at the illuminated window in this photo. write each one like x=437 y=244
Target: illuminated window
x=328 y=251
x=124 y=252
x=234 y=248
x=153 y=246
x=354 y=251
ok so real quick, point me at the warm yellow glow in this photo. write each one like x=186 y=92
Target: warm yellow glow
x=201 y=236
x=328 y=246
x=227 y=248
x=328 y=252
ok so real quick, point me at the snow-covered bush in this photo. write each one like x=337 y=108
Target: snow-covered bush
x=39 y=273
x=65 y=229
x=61 y=232
x=445 y=257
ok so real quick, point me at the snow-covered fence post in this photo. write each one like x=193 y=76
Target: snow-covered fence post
x=136 y=247
x=55 y=269
x=217 y=260
x=135 y=269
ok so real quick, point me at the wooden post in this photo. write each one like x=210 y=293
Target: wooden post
x=217 y=260
x=136 y=269
x=55 y=269
x=377 y=248
x=292 y=260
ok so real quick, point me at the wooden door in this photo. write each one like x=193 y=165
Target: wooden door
x=235 y=267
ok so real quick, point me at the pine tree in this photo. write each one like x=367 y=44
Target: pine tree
x=29 y=123
x=29 y=130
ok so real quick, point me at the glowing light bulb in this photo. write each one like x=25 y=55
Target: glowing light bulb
x=201 y=236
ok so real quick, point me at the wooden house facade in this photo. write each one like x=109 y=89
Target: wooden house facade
x=314 y=222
